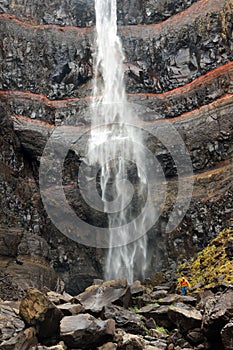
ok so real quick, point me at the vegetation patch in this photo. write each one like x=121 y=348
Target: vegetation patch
x=213 y=265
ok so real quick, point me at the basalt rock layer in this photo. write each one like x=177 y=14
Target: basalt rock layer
x=178 y=71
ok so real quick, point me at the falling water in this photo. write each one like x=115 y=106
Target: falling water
x=112 y=126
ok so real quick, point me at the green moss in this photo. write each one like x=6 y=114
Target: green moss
x=161 y=329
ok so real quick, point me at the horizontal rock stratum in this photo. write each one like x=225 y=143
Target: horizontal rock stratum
x=178 y=70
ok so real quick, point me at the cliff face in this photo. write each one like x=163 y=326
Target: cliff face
x=178 y=67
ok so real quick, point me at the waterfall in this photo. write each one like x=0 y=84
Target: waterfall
x=114 y=146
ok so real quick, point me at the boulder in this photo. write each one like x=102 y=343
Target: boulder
x=158 y=313
x=58 y=298
x=130 y=341
x=95 y=297
x=84 y=331
x=187 y=299
x=170 y=299
x=136 y=288
x=184 y=317
x=227 y=335
x=218 y=311
x=148 y=309
x=10 y=323
x=32 y=272
x=69 y=309
x=159 y=294
x=126 y=319
x=23 y=340
x=37 y=310
x=107 y=346
x=142 y=300
x=59 y=346
x=157 y=345
x=195 y=336
x=9 y=240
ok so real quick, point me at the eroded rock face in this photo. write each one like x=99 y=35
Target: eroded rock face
x=83 y=13
x=178 y=69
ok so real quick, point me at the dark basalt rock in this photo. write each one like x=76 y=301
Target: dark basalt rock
x=125 y=319
x=229 y=248
x=218 y=312
x=190 y=51
x=158 y=58
x=184 y=317
x=116 y=327
x=82 y=13
x=226 y=335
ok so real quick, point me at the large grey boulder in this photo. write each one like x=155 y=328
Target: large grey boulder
x=84 y=331
x=185 y=317
x=95 y=297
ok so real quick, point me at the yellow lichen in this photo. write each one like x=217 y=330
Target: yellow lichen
x=212 y=265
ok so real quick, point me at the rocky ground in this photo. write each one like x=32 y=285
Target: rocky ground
x=113 y=315
x=178 y=68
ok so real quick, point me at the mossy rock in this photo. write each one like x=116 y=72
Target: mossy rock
x=213 y=266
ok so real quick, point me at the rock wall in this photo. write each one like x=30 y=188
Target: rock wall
x=178 y=68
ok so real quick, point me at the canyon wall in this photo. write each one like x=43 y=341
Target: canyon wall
x=178 y=69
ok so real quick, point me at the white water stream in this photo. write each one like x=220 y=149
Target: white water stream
x=115 y=146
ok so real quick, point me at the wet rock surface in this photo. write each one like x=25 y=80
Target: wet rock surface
x=95 y=297
x=157 y=58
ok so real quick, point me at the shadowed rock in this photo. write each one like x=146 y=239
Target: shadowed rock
x=125 y=319
x=218 y=311
x=184 y=317
x=37 y=310
x=227 y=335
